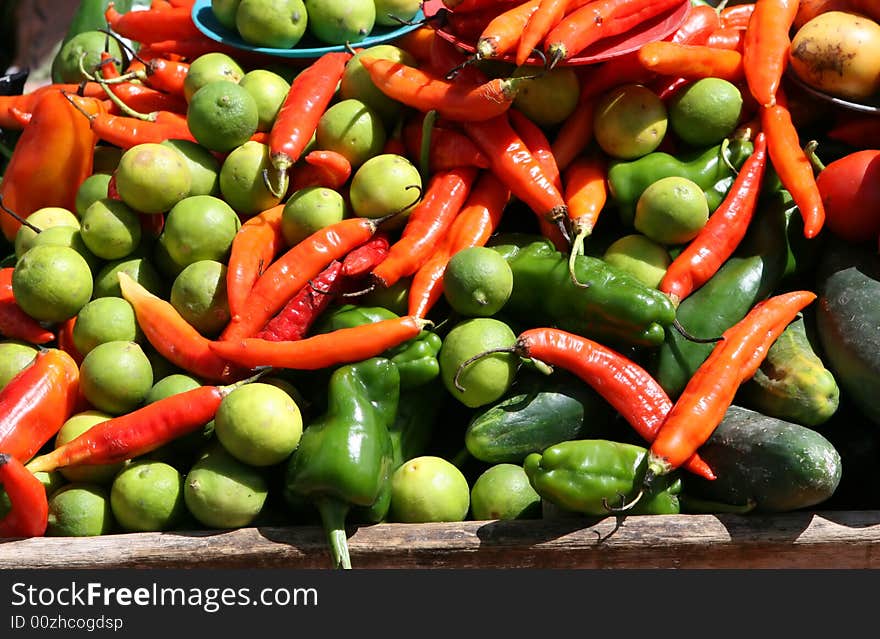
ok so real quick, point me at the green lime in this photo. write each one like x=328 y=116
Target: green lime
x=52 y=283
x=630 y=121
x=309 y=210
x=71 y=237
x=106 y=159
x=80 y=510
x=477 y=282
x=199 y=295
x=152 y=178
x=269 y=90
x=210 y=67
x=222 y=492
x=486 y=379
x=171 y=385
x=503 y=491
x=341 y=21
x=204 y=168
x=259 y=424
x=75 y=426
x=241 y=179
x=352 y=129
x=385 y=184
x=706 y=111
x=200 y=227
x=92 y=189
x=83 y=51
x=356 y=82
x=224 y=12
x=42 y=219
x=549 y=98
x=15 y=356
x=672 y=210
x=276 y=24
x=147 y=496
x=428 y=489
x=389 y=13
x=105 y=319
x=640 y=256
x=222 y=115
x=395 y=297
x=140 y=269
x=115 y=377
x=111 y=229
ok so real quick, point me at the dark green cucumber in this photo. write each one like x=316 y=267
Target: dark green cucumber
x=539 y=411
x=792 y=383
x=848 y=321
x=767 y=463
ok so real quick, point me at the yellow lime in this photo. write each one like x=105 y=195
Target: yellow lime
x=210 y=67
x=83 y=49
x=503 y=491
x=630 y=121
x=92 y=189
x=42 y=219
x=200 y=227
x=428 y=489
x=549 y=98
x=341 y=21
x=276 y=24
x=672 y=210
x=152 y=178
x=640 y=256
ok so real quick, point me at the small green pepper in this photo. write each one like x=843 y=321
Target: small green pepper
x=417 y=413
x=614 y=306
x=416 y=359
x=713 y=169
x=590 y=476
x=344 y=458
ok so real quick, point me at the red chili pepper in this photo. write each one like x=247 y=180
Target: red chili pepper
x=293 y=269
x=173 y=337
x=126 y=132
x=598 y=20
x=725 y=229
x=341 y=346
x=428 y=222
x=665 y=87
x=691 y=61
x=363 y=259
x=418 y=42
x=52 y=158
x=14 y=322
x=65 y=340
x=712 y=388
x=16 y=110
x=310 y=93
x=296 y=318
x=152 y=25
x=166 y=75
x=513 y=164
x=503 y=32
x=474 y=224
x=539 y=23
x=792 y=164
x=737 y=16
x=450 y=148
x=766 y=47
x=727 y=38
x=699 y=23
x=321 y=168
x=451 y=100
x=36 y=402
x=29 y=515
x=152 y=224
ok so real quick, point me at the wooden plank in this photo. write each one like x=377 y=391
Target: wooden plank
x=834 y=539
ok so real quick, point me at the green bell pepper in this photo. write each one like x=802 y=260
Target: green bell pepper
x=417 y=413
x=590 y=476
x=344 y=458
x=707 y=167
x=416 y=359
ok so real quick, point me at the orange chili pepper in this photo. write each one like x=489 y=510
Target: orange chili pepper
x=503 y=32
x=691 y=61
x=24 y=104
x=152 y=25
x=418 y=43
x=699 y=23
x=539 y=23
x=737 y=16
x=321 y=168
x=766 y=46
x=727 y=38
x=29 y=515
x=585 y=195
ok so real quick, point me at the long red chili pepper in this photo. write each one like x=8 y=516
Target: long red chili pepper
x=321 y=168
x=691 y=61
x=474 y=224
x=307 y=99
x=360 y=261
x=296 y=318
x=173 y=337
x=737 y=16
x=539 y=23
x=29 y=515
x=139 y=432
x=341 y=346
x=766 y=47
x=503 y=32
x=514 y=165
x=725 y=229
x=449 y=148
x=792 y=164
x=166 y=75
x=36 y=402
x=65 y=340
x=14 y=322
x=427 y=224
x=712 y=388
x=293 y=269
x=597 y=20
x=451 y=100
x=152 y=25
x=727 y=38
x=699 y=23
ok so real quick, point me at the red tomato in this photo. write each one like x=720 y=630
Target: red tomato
x=850 y=189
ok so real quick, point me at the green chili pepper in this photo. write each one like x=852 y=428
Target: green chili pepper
x=344 y=458
x=712 y=169
x=614 y=306
x=590 y=475
x=416 y=359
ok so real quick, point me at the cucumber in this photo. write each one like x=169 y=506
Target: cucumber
x=539 y=411
x=792 y=383
x=767 y=463
x=848 y=321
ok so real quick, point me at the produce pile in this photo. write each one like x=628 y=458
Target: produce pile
x=409 y=283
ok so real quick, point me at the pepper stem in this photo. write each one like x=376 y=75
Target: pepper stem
x=18 y=218
x=810 y=152
x=333 y=513
x=474 y=358
x=279 y=187
x=577 y=249
x=691 y=338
